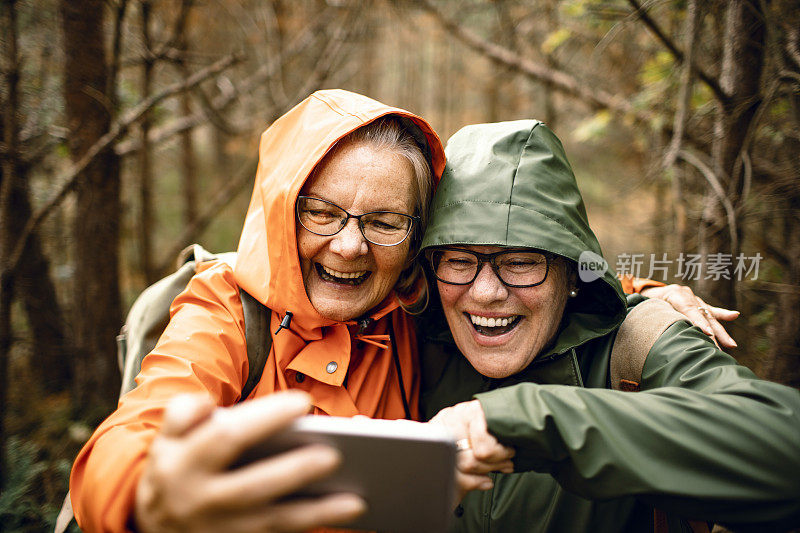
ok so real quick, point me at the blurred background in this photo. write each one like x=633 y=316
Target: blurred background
x=130 y=129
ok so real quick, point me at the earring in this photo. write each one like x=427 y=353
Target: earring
x=573 y=293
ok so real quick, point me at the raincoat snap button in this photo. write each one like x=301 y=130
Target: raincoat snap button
x=459 y=512
x=331 y=368
x=299 y=377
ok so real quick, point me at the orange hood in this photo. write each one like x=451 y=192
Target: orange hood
x=268 y=266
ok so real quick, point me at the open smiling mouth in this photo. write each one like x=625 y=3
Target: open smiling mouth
x=343 y=278
x=491 y=327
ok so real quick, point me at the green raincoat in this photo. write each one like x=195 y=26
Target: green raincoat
x=704 y=439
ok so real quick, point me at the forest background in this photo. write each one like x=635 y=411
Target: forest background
x=130 y=129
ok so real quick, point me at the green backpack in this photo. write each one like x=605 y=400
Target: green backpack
x=149 y=316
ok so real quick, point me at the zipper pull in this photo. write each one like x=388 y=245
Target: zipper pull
x=363 y=324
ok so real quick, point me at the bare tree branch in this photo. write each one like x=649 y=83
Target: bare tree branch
x=712 y=83
x=716 y=186
x=178 y=29
x=255 y=80
x=204 y=218
x=685 y=92
x=327 y=59
x=559 y=80
x=71 y=177
x=793 y=45
x=322 y=69
x=116 y=49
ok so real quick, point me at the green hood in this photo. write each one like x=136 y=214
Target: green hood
x=510 y=184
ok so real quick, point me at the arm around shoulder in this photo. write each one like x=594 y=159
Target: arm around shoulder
x=705 y=438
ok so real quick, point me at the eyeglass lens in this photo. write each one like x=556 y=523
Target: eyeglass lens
x=380 y=227
x=518 y=268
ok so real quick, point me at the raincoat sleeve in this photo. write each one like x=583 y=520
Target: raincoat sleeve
x=202 y=351
x=705 y=438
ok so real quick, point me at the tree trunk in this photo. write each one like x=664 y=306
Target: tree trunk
x=50 y=353
x=97 y=303
x=188 y=164
x=9 y=132
x=145 y=155
x=742 y=64
x=783 y=358
x=549 y=108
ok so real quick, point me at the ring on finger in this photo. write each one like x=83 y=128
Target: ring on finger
x=703 y=310
x=463 y=445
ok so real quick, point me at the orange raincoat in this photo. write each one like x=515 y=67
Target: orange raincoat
x=203 y=349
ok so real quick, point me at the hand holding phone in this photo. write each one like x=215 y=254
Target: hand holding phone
x=187 y=484
x=403 y=470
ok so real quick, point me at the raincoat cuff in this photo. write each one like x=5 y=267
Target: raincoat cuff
x=501 y=408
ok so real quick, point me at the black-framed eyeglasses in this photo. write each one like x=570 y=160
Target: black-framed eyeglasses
x=515 y=268
x=384 y=228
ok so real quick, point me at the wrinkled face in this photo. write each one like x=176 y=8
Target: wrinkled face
x=345 y=275
x=526 y=319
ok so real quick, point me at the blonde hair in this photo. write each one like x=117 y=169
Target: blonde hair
x=395 y=134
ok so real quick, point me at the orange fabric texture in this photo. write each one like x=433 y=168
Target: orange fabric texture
x=631 y=285
x=203 y=349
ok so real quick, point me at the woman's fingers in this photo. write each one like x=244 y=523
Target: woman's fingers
x=720 y=313
x=479 y=451
x=699 y=313
x=714 y=314
x=485 y=446
x=302 y=515
x=184 y=412
x=469 y=482
x=469 y=464
x=269 y=479
x=230 y=431
x=291 y=516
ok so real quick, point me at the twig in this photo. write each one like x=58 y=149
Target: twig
x=712 y=180
x=167 y=131
x=557 y=79
x=178 y=29
x=747 y=179
x=685 y=93
x=327 y=59
x=772 y=286
x=793 y=45
x=712 y=83
x=322 y=68
x=71 y=177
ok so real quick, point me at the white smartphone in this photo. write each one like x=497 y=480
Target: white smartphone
x=405 y=471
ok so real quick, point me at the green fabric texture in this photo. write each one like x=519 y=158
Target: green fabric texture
x=705 y=439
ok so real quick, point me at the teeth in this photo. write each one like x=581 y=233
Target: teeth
x=343 y=275
x=490 y=322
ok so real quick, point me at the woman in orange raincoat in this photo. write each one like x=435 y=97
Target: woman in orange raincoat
x=335 y=156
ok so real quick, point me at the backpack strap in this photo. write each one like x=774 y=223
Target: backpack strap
x=643 y=325
x=256 y=325
x=640 y=330
x=259 y=340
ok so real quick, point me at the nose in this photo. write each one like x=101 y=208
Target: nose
x=349 y=242
x=487 y=287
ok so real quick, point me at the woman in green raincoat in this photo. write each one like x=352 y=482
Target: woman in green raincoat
x=526 y=361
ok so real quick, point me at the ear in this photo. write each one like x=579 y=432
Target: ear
x=570 y=275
